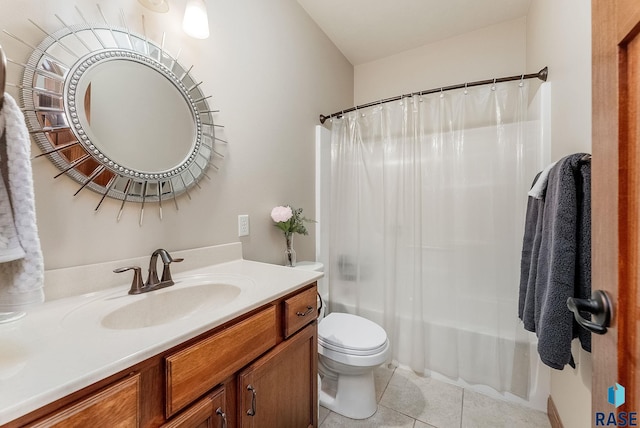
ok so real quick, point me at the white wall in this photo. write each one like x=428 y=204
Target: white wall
x=271 y=71
x=559 y=35
x=495 y=51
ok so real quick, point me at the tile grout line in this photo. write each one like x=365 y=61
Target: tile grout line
x=393 y=372
x=401 y=413
x=387 y=384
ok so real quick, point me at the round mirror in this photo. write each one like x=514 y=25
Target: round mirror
x=118 y=114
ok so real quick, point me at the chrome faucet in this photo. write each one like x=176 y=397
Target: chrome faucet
x=152 y=283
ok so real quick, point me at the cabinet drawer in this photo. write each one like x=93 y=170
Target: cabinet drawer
x=117 y=404
x=300 y=310
x=209 y=412
x=195 y=370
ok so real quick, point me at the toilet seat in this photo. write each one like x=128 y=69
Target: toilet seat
x=351 y=334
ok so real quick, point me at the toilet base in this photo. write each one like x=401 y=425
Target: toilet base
x=353 y=396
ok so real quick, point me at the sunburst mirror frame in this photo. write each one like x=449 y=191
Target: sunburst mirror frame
x=48 y=95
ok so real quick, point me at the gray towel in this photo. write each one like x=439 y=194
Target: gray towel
x=556 y=260
x=529 y=259
x=583 y=247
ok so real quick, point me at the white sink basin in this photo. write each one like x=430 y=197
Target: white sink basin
x=189 y=295
x=166 y=305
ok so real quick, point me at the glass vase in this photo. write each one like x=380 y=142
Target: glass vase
x=289 y=253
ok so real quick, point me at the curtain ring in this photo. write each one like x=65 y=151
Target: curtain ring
x=441 y=92
x=521 y=84
x=466 y=91
x=493 y=86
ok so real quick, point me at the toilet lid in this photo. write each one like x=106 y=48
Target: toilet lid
x=351 y=334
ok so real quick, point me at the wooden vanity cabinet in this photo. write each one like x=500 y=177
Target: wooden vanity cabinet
x=203 y=382
x=273 y=352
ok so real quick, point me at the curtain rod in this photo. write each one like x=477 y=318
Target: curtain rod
x=542 y=75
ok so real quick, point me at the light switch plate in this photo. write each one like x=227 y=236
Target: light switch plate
x=243 y=225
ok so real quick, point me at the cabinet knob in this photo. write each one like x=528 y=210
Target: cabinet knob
x=223 y=416
x=252 y=410
x=304 y=314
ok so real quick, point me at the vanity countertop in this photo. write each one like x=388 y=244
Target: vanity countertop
x=60 y=347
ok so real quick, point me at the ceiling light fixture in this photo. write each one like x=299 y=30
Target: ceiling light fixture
x=155 y=5
x=196 y=21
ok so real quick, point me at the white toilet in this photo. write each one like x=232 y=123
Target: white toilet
x=350 y=347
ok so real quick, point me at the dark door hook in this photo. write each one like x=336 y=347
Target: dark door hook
x=599 y=306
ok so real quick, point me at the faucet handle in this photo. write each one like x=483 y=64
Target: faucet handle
x=166 y=272
x=136 y=284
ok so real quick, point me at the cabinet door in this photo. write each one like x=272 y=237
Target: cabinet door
x=115 y=406
x=206 y=413
x=280 y=389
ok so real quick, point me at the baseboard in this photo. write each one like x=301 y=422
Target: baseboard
x=552 y=413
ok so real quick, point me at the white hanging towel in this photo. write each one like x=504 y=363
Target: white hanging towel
x=539 y=188
x=10 y=248
x=21 y=263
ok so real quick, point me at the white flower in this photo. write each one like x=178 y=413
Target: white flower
x=279 y=214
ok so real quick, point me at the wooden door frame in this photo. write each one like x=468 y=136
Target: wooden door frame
x=615 y=198
x=604 y=188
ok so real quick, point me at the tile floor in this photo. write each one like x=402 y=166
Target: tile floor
x=410 y=401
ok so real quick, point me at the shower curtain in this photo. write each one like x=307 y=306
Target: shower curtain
x=428 y=196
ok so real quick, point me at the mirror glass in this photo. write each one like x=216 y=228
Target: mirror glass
x=141 y=119
x=118 y=114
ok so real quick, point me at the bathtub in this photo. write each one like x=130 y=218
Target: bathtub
x=529 y=383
